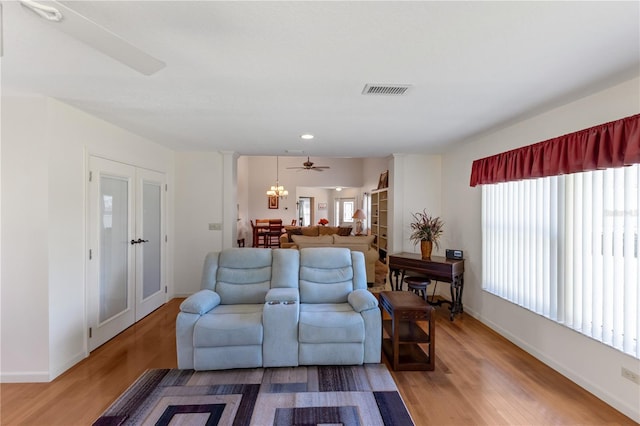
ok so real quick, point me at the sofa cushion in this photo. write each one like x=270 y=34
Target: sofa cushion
x=243 y=275
x=356 y=243
x=344 y=231
x=326 y=275
x=229 y=329
x=292 y=230
x=327 y=230
x=304 y=241
x=330 y=323
x=310 y=231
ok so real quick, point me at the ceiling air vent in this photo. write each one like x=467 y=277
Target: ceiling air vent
x=385 y=89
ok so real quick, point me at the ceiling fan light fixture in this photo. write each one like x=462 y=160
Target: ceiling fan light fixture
x=308 y=165
x=306 y=136
x=72 y=23
x=47 y=12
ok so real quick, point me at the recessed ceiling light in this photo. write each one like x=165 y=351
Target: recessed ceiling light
x=338 y=189
x=306 y=136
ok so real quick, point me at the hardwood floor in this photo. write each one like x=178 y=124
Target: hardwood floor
x=480 y=379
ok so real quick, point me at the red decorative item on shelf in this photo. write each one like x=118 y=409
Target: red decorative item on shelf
x=323 y=222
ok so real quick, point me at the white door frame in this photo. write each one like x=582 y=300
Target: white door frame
x=138 y=307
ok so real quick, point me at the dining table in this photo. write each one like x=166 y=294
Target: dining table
x=264 y=227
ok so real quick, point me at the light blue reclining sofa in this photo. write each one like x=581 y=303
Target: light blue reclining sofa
x=274 y=308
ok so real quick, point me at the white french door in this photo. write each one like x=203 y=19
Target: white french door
x=126 y=242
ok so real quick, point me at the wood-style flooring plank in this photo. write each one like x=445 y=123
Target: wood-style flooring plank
x=81 y=394
x=480 y=379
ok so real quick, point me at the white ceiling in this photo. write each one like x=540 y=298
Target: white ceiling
x=251 y=77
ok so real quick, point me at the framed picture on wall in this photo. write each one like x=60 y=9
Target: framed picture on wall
x=273 y=201
x=383 y=182
x=322 y=206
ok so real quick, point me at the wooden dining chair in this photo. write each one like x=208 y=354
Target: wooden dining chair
x=273 y=235
x=293 y=222
x=259 y=234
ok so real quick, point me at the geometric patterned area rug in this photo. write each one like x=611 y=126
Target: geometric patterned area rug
x=313 y=395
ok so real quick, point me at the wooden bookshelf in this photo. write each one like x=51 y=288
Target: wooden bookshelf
x=379 y=220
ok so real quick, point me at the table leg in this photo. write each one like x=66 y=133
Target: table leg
x=393 y=278
x=455 y=305
x=456 y=295
x=395 y=340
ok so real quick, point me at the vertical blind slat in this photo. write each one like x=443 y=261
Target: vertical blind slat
x=566 y=247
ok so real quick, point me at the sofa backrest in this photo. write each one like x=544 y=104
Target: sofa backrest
x=329 y=274
x=245 y=275
x=356 y=243
x=285 y=268
x=316 y=230
x=303 y=241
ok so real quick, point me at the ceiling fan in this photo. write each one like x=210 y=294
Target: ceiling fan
x=84 y=29
x=308 y=165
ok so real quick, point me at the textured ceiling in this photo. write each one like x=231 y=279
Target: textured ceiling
x=251 y=77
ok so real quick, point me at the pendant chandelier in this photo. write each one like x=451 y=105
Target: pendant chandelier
x=277 y=190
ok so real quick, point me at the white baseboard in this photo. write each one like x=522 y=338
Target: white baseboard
x=67 y=365
x=627 y=410
x=25 y=377
x=41 y=376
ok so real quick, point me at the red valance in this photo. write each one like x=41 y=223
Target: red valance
x=613 y=144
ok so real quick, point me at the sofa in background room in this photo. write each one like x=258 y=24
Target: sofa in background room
x=298 y=237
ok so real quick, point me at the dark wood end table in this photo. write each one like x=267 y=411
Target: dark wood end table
x=405 y=335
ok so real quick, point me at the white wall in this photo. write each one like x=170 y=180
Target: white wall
x=24 y=314
x=244 y=227
x=372 y=168
x=45 y=144
x=199 y=194
x=594 y=366
x=319 y=195
x=416 y=186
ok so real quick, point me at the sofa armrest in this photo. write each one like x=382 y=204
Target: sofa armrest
x=201 y=302
x=283 y=295
x=362 y=300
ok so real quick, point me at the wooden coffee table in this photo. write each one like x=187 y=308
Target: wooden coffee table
x=402 y=347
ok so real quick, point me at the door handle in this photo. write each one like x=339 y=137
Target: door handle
x=138 y=241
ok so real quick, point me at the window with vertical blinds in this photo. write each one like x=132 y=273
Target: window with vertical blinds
x=566 y=247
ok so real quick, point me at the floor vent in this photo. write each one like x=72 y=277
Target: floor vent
x=385 y=89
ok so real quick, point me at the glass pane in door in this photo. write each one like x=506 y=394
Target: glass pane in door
x=114 y=247
x=305 y=211
x=151 y=231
